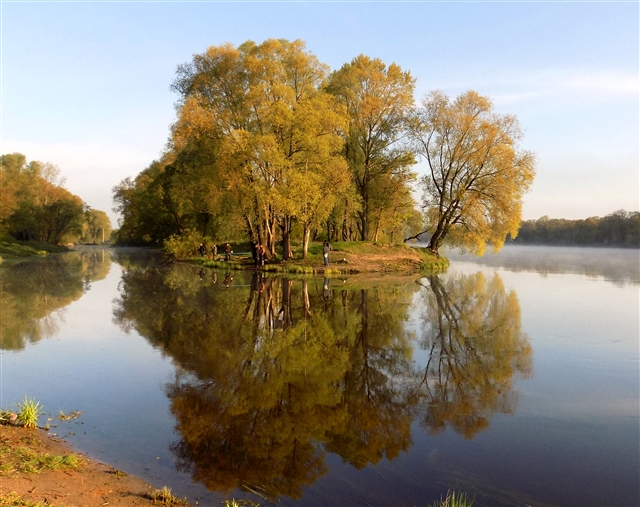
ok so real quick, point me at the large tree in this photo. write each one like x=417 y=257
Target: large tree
x=477 y=174
x=278 y=132
x=379 y=100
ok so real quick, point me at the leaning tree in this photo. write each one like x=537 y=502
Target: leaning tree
x=477 y=174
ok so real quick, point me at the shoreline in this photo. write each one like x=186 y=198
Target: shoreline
x=347 y=258
x=91 y=483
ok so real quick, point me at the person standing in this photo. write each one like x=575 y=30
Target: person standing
x=326 y=248
x=214 y=252
x=227 y=252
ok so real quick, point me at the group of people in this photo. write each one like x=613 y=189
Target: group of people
x=202 y=250
x=260 y=252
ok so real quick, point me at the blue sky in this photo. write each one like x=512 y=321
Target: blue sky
x=85 y=85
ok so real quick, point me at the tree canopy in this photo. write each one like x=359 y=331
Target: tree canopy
x=476 y=175
x=36 y=206
x=270 y=145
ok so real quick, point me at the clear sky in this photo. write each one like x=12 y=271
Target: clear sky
x=85 y=85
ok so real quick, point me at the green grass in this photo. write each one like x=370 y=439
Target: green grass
x=313 y=264
x=29 y=410
x=11 y=248
x=27 y=461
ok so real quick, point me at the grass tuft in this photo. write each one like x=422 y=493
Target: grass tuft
x=29 y=411
x=164 y=497
x=453 y=499
x=240 y=503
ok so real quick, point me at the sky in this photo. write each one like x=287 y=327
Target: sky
x=86 y=85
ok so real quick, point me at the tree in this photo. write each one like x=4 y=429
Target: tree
x=378 y=101
x=278 y=132
x=476 y=175
x=97 y=226
x=34 y=202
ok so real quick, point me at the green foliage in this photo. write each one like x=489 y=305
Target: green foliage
x=35 y=205
x=29 y=410
x=96 y=228
x=12 y=248
x=183 y=246
x=263 y=149
x=379 y=100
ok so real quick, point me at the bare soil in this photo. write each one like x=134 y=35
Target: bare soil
x=91 y=484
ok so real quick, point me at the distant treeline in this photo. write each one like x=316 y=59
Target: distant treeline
x=619 y=229
x=36 y=206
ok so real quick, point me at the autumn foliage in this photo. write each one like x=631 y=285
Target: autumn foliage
x=269 y=144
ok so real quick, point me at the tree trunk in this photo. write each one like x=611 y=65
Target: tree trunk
x=345 y=232
x=436 y=239
x=306 y=232
x=286 y=237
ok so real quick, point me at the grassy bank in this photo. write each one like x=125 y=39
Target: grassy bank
x=346 y=258
x=11 y=248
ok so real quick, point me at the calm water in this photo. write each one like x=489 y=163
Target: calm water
x=514 y=377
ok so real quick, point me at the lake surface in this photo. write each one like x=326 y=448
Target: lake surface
x=512 y=377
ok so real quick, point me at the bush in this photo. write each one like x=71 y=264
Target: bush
x=183 y=246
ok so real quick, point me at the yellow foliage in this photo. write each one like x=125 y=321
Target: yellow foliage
x=477 y=174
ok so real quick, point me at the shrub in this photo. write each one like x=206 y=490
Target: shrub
x=183 y=246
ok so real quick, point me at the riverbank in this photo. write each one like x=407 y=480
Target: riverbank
x=38 y=470
x=347 y=258
x=11 y=248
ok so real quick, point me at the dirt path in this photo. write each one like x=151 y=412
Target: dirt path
x=90 y=484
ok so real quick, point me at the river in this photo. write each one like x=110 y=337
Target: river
x=511 y=377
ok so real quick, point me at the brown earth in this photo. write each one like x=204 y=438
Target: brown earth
x=90 y=484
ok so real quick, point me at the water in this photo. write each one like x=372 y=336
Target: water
x=514 y=377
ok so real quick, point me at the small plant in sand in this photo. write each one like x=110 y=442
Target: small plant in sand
x=29 y=411
x=164 y=497
x=453 y=499
x=240 y=503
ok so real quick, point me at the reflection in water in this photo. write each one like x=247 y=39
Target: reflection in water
x=274 y=373
x=35 y=291
x=476 y=348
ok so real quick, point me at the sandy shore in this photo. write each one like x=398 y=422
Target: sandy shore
x=90 y=484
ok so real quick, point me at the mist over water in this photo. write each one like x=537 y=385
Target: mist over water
x=618 y=265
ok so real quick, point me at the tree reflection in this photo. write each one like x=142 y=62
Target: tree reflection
x=275 y=372
x=33 y=291
x=471 y=328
